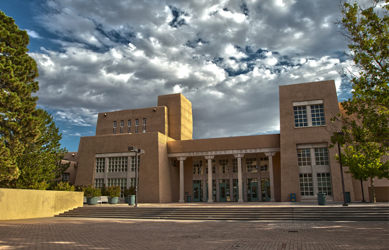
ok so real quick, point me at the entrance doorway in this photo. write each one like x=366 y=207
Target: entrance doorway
x=224 y=190
x=265 y=189
x=235 y=189
x=252 y=190
x=197 y=191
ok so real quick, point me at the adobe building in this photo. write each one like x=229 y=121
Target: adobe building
x=298 y=160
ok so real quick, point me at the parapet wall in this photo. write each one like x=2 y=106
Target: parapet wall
x=25 y=204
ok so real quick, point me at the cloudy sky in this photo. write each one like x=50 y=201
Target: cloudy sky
x=227 y=57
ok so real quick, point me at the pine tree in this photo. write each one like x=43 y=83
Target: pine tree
x=18 y=115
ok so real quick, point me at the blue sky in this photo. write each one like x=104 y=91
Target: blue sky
x=227 y=57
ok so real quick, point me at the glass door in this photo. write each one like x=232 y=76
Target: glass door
x=196 y=192
x=222 y=192
x=252 y=190
x=265 y=189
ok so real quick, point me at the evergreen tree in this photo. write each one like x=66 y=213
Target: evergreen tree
x=40 y=162
x=18 y=116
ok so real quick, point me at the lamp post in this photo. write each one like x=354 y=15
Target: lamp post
x=341 y=171
x=137 y=151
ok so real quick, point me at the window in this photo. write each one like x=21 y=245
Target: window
x=100 y=165
x=65 y=177
x=114 y=127
x=117 y=164
x=136 y=125
x=132 y=182
x=144 y=125
x=309 y=113
x=263 y=162
x=223 y=166
x=306 y=185
x=197 y=167
x=133 y=163
x=251 y=164
x=235 y=166
x=321 y=156
x=99 y=183
x=122 y=183
x=121 y=126
x=300 y=117
x=324 y=183
x=129 y=126
x=317 y=112
x=304 y=157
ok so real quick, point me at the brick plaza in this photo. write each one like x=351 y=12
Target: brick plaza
x=68 y=233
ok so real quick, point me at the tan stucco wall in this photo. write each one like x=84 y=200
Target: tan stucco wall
x=23 y=203
x=229 y=143
x=149 y=169
x=291 y=136
x=179 y=116
x=381 y=194
x=156 y=120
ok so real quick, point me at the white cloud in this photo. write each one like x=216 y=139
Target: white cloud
x=32 y=33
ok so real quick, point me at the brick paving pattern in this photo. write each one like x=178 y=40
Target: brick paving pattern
x=64 y=233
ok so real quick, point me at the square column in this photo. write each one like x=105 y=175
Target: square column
x=181 y=159
x=209 y=158
x=270 y=155
x=240 y=187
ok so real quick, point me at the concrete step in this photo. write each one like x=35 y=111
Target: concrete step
x=236 y=213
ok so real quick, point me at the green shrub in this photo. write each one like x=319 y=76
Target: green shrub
x=90 y=191
x=114 y=191
x=64 y=186
x=131 y=191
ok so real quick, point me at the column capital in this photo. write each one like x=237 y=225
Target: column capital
x=181 y=158
x=270 y=153
x=209 y=157
x=238 y=155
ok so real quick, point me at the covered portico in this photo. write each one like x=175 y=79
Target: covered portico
x=209 y=176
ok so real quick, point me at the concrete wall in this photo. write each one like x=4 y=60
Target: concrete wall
x=381 y=194
x=24 y=204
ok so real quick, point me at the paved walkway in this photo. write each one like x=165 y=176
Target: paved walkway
x=64 y=233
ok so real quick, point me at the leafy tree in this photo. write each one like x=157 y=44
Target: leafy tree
x=365 y=122
x=40 y=162
x=18 y=118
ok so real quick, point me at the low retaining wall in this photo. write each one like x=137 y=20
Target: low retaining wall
x=25 y=203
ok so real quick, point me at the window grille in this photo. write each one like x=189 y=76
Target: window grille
x=324 y=183
x=100 y=165
x=306 y=185
x=117 y=164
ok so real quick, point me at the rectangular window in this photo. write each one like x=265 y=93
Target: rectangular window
x=264 y=162
x=317 y=112
x=307 y=114
x=129 y=126
x=144 y=125
x=306 y=185
x=99 y=183
x=114 y=127
x=65 y=177
x=100 y=165
x=321 y=156
x=300 y=117
x=223 y=166
x=235 y=166
x=197 y=167
x=132 y=182
x=133 y=163
x=121 y=126
x=122 y=183
x=251 y=165
x=324 y=183
x=117 y=164
x=136 y=125
x=304 y=157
